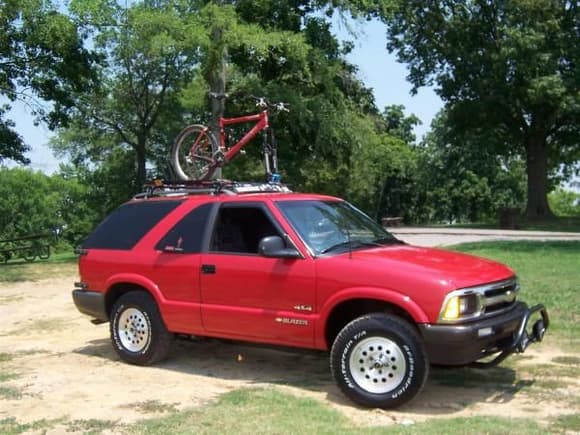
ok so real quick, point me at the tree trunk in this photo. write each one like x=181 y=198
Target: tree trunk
x=141 y=162
x=217 y=82
x=537 y=171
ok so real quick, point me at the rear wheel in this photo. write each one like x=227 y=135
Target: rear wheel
x=194 y=152
x=138 y=333
x=378 y=360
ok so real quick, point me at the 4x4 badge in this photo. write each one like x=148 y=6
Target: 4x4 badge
x=303 y=307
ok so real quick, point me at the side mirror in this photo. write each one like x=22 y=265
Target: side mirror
x=274 y=247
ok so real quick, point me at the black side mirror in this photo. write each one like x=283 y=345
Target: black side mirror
x=274 y=247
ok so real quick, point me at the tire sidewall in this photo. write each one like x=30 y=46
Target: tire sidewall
x=413 y=378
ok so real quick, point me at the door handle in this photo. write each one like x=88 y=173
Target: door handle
x=208 y=269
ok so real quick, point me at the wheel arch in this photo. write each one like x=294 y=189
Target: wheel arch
x=122 y=284
x=338 y=313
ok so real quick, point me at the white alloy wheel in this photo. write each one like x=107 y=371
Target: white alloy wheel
x=377 y=365
x=133 y=330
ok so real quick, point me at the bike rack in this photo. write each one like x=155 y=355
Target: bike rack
x=208 y=187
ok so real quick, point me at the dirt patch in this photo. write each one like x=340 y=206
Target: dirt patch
x=59 y=366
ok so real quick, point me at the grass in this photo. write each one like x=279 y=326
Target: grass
x=567 y=424
x=63 y=264
x=549 y=273
x=260 y=411
x=151 y=406
x=568 y=360
x=9 y=426
x=91 y=426
x=10 y=393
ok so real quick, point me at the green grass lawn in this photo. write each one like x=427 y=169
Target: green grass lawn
x=549 y=273
x=62 y=264
x=267 y=411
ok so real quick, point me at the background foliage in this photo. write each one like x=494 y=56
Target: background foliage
x=122 y=81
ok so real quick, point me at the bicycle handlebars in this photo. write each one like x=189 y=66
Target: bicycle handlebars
x=261 y=102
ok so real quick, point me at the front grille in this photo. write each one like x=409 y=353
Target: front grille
x=499 y=296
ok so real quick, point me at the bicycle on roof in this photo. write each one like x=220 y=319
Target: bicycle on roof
x=197 y=153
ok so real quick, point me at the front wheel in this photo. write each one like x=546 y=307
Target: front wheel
x=138 y=333
x=379 y=361
x=194 y=152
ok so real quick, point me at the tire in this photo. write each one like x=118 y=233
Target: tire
x=193 y=153
x=138 y=333
x=379 y=361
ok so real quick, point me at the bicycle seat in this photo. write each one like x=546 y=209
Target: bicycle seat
x=218 y=96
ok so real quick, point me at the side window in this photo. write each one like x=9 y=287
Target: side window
x=187 y=235
x=124 y=227
x=240 y=228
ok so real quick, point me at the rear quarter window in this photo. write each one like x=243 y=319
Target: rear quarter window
x=124 y=227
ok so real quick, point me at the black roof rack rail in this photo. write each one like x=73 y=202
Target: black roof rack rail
x=157 y=188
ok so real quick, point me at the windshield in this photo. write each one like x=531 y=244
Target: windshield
x=333 y=226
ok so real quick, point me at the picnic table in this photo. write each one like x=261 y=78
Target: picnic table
x=28 y=248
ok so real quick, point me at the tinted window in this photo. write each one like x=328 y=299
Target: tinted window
x=240 y=229
x=187 y=235
x=123 y=228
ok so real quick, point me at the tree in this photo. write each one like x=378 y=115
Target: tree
x=52 y=205
x=41 y=55
x=283 y=50
x=506 y=70
x=462 y=179
x=565 y=202
x=145 y=61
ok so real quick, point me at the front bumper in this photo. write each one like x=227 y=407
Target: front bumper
x=501 y=336
x=91 y=303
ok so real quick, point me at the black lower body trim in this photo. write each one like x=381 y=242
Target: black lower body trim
x=465 y=344
x=91 y=303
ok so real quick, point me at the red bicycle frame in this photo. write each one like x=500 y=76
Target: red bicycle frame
x=261 y=124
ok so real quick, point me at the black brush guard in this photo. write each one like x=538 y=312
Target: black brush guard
x=522 y=339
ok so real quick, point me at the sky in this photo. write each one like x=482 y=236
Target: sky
x=378 y=69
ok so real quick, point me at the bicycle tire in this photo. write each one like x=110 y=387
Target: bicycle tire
x=193 y=153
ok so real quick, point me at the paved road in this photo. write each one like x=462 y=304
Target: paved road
x=452 y=236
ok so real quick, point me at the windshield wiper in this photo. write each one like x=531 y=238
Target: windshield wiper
x=388 y=241
x=351 y=243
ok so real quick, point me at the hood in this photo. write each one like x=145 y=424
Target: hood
x=458 y=269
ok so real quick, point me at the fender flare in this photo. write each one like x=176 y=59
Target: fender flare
x=138 y=280
x=398 y=299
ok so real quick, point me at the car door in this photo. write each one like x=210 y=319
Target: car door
x=176 y=269
x=249 y=296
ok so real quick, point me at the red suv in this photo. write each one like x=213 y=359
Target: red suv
x=259 y=263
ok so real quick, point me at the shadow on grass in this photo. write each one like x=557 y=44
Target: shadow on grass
x=446 y=390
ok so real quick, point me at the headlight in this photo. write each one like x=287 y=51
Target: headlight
x=459 y=306
x=482 y=300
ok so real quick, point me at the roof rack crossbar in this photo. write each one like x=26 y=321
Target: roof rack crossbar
x=158 y=188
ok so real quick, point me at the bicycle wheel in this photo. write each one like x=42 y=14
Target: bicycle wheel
x=193 y=152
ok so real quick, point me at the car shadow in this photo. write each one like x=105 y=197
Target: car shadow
x=447 y=390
